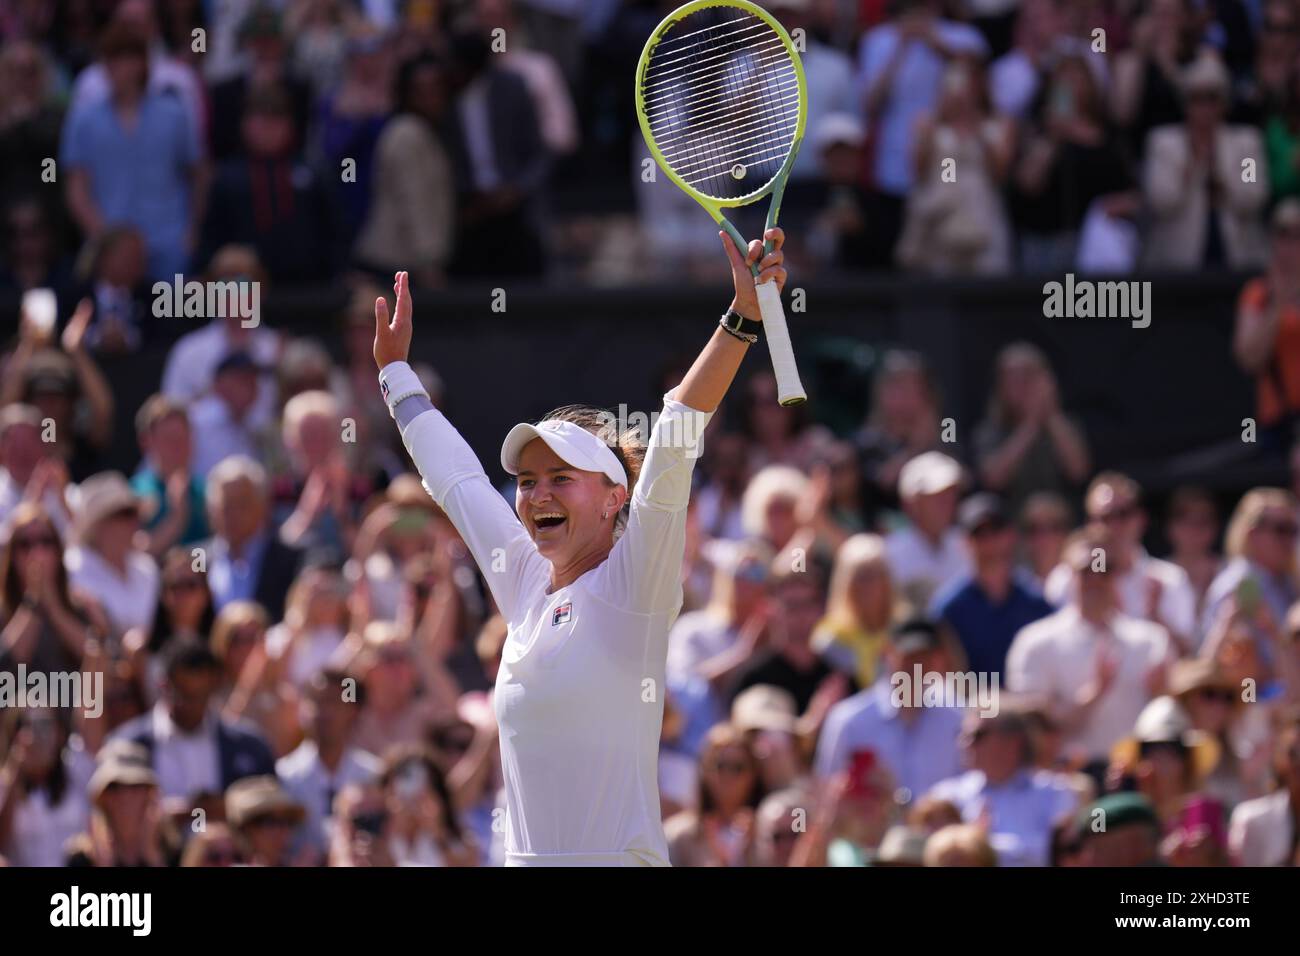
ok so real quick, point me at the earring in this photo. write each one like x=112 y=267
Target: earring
x=604 y=515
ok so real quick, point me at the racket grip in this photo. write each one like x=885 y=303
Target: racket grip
x=789 y=389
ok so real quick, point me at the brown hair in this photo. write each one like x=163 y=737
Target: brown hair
x=156 y=408
x=722 y=737
x=234 y=615
x=11 y=596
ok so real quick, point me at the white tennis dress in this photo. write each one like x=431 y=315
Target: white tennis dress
x=579 y=695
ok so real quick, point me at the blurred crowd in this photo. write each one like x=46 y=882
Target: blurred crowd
x=297 y=652
x=466 y=139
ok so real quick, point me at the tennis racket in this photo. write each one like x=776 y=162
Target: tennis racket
x=722 y=102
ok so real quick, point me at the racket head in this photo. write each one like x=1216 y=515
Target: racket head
x=722 y=102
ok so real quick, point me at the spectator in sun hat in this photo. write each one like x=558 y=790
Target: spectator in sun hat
x=104 y=562
x=125 y=817
x=768 y=717
x=263 y=816
x=917 y=745
x=1119 y=829
x=929 y=553
x=1214 y=705
x=989 y=607
x=903 y=845
x=1095 y=666
x=1168 y=762
x=1016 y=807
x=836 y=202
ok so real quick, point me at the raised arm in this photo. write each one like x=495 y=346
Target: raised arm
x=713 y=372
x=644 y=569
x=452 y=473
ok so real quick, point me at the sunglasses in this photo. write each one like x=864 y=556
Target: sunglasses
x=183 y=584
x=733 y=767
x=219 y=858
x=988 y=528
x=1217 y=694
x=272 y=822
x=1046 y=527
x=36 y=541
x=1116 y=515
x=1172 y=747
x=1285 y=529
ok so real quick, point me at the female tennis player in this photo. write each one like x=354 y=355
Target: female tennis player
x=588 y=576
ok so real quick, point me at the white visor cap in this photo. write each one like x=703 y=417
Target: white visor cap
x=574 y=444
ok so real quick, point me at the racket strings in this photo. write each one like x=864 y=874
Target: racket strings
x=722 y=101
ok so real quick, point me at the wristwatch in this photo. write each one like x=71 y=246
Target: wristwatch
x=742 y=328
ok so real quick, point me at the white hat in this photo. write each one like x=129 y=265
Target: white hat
x=573 y=443
x=838 y=128
x=928 y=474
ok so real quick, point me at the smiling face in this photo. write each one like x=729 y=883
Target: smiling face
x=561 y=506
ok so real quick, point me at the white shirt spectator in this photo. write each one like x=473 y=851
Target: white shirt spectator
x=314 y=786
x=1177 y=605
x=921 y=569
x=1262 y=831
x=39 y=829
x=194 y=359
x=129 y=600
x=218 y=436
x=185 y=763
x=11 y=496
x=1054 y=657
x=307 y=656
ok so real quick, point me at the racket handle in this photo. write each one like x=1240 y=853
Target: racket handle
x=789 y=389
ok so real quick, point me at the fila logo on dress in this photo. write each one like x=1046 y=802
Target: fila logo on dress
x=562 y=614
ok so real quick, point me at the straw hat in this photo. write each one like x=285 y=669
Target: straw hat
x=1164 y=720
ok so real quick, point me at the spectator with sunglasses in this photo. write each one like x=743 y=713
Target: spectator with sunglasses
x=719 y=830
x=1215 y=707
x=1147 y=588
x=327 y=760
x=43 y=781
x=1046 y=520
x=264 y=818
x=213 y=846
x=1192 y=527
x=1259 y=579
x=45 y=626
x=986 y=609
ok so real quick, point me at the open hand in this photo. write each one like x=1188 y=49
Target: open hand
x=393 y=339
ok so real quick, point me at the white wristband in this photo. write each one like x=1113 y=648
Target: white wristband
x=397 y=381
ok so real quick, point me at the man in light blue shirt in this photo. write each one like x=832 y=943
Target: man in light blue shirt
x=1003 y=793
x=134 y=159
x=900 y=73
x=916 y=744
